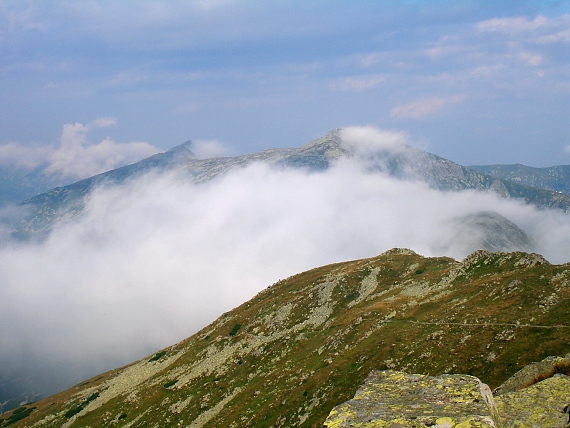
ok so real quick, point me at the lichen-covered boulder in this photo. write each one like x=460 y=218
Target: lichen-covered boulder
x=392 y=399
x=395 y=399
x=543 y=404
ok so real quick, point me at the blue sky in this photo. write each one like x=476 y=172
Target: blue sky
x=477 y=82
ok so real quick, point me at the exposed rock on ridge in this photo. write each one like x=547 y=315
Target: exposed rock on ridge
x=397 y=399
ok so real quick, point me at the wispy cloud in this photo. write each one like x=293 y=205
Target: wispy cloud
x=187 y=108
x=204 y=149
x=560 y=36
x=513 y=24
x=424 y=107
x=368 y=140
x=531 y=58
x=541 y=30
x=127 y=77
x=357 y=83
x=301 y=56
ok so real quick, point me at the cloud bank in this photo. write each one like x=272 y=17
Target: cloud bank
x=152 y=262
x=76 y=157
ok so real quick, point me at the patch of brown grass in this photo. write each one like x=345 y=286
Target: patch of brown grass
x=558 y=368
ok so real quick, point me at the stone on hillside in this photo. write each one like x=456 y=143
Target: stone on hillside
x=533 y=373
x=396 y=399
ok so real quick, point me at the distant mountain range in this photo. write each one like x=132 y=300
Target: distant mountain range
x=403 y=162
x=304 y=345
x=555 y=178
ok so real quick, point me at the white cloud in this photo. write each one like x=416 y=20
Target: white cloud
x=513 y=24
x=26 y=157
x=187 y=108
x=204 y=149
x=127 y=77
x=371 y=59
x=424 y=107
x=212 y=4
x=543 y=30
x=367 y=139
x=560 y=36
x=76 y=157
x=531 y=58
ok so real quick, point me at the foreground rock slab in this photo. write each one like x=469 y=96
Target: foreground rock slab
x=394 y=399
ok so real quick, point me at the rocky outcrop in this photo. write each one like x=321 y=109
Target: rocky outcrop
x=534 y=373
x=395 y=399
x=544 y=404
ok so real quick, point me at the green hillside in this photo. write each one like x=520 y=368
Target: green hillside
x=305 y=344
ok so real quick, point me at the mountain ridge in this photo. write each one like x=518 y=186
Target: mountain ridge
x=305 y=344
x=555 y=178
x=404 y=162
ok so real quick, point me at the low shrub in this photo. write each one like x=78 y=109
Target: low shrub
x=170 y=383
x=235 y=329
x=18 y=414
x=158 y=356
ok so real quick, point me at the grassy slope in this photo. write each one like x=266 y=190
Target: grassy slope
x=306 y=343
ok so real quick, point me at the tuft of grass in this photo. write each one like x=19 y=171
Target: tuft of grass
x=235 y=329
x=75 y=410
x=558 y=368
x=170 y=383
x=157 y=356
x=18 y=414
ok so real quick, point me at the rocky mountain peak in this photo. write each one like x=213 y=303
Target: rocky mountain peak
x=184 y=149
